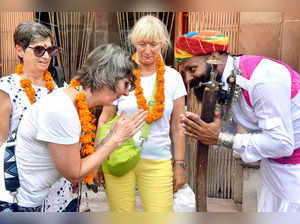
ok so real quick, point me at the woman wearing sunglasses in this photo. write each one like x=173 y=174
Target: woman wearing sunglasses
x=30 y=82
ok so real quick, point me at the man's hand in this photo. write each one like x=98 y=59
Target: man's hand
x=194 y=127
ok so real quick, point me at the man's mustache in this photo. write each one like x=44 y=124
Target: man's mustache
x=198 y=89
x=194 y=83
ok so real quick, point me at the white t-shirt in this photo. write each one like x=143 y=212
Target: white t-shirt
x=158 y=143
x=54 y=119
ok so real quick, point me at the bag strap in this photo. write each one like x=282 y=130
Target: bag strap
x=11 y=176
x=146 y=129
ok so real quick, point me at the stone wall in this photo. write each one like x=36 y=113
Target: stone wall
x=271 y=34
x=106 y=29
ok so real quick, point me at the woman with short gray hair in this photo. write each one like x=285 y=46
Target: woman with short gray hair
x=59 y=126
x=106 y=67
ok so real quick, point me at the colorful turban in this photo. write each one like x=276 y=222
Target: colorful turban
x=199 y=43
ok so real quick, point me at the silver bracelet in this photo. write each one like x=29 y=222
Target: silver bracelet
x=225 y=139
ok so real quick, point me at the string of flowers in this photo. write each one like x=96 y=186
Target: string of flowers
x=88 y=127
x=26 y=83
x=158 y=109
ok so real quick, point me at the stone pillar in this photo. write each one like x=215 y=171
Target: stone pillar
x=106 y=29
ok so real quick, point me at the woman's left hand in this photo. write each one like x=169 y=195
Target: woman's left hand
x=99 y=177
x=179 y=178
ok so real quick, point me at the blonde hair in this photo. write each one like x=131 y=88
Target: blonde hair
x=150 y=28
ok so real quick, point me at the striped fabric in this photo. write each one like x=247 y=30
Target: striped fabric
x=199 y=43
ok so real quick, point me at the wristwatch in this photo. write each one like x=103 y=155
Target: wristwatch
x=179 y=163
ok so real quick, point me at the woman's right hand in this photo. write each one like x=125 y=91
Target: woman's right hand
x=126 y=127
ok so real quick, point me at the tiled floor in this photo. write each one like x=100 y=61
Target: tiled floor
x=96 y=202
x=221 y=205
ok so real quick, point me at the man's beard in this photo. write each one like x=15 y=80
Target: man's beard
x=194 y=83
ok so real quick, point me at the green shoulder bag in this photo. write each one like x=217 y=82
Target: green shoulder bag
x=124 y=158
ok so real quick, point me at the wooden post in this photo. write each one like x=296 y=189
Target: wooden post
x=207 y=114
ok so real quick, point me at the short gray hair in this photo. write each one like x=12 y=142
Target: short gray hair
x=29 y=32
x=105 y=66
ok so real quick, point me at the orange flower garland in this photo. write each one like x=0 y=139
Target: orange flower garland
x=87 y=120
x=158 y=109
x=26 y=84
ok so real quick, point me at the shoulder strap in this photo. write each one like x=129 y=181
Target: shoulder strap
x=11 y=176
x=151 y=103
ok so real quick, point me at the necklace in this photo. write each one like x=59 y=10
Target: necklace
x=158 y=109
x=88 y=127
x=26 y=83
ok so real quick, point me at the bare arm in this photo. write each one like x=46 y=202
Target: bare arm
x=5 y=111
x=67 y=157
x=177 y=131
x=179 y=142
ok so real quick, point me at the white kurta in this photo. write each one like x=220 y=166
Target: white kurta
x=273 y=123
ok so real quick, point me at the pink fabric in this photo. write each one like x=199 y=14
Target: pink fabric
x=247 y=65
x=293 y=159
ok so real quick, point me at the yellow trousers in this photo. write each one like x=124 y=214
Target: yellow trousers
x=154 y=179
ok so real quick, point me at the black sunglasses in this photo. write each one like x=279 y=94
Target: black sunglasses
x=39 y=51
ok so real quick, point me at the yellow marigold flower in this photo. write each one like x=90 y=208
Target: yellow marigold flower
x=159 y=95
x=74 y=83
x=26 y=84
x=89 y=178
x=19 y=69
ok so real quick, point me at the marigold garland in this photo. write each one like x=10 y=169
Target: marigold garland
x=26 y=84
x=158 y=109
x=88 y=127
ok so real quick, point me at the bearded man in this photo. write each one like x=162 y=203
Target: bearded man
x=261 y=95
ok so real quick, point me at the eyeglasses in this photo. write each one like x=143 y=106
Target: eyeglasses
x=39 y=51
x=128 y=84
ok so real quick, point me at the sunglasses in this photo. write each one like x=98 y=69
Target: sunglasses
x=39 y=51
x=129 y=85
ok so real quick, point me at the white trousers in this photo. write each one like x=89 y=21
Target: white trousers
x=267 y=201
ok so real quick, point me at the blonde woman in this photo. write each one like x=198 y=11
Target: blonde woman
x=153 y=174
